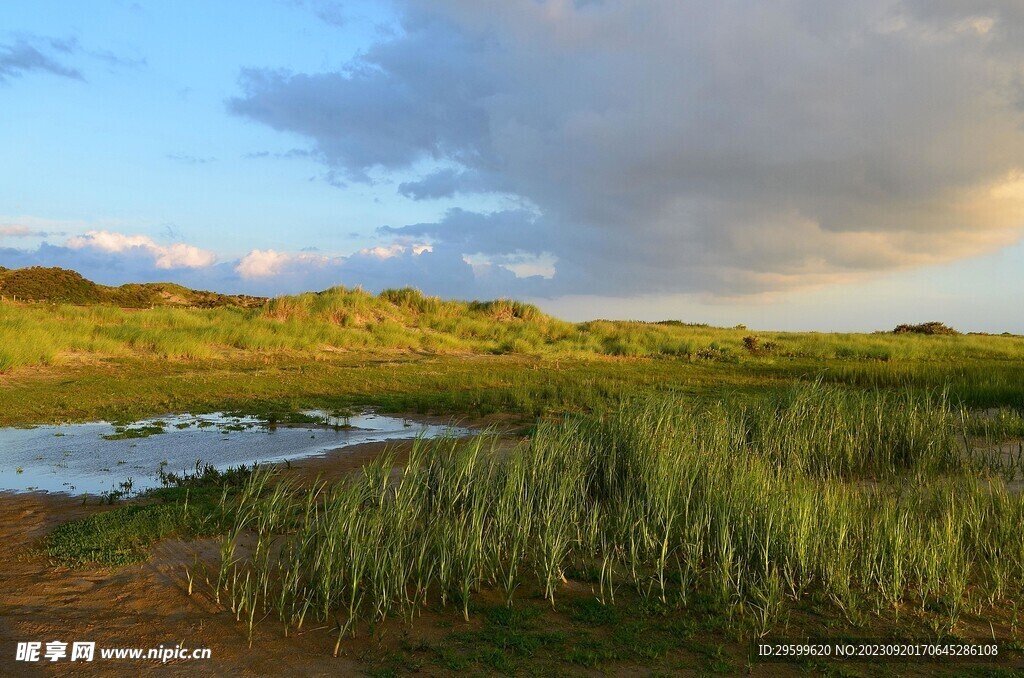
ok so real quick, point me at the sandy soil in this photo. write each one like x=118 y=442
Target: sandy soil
x=144 y=605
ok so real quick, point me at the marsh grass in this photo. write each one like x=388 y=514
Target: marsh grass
x=187 y=505
x=124 y=535
x=132 y=432
x=343 y=319
x=868 y=501
x=972 y=380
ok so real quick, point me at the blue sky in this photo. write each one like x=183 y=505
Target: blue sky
x=789 y=166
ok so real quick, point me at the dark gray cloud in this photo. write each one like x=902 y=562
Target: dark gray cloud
x=441 y=184
x=359 y=120
x=675 y=145
x=495 y=233
x=26 y=56
x=446 y=183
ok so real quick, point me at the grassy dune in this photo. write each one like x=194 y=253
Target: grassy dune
x=340 y=319
x=58 y=285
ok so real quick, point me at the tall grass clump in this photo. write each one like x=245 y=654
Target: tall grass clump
x=412 y=299
x=870 y=501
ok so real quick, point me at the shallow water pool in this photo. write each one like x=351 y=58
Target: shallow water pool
x=78 y=458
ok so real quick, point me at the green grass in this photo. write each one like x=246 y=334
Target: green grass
x=341 y=319
x=131 y=388
x=673 y=487
x=865 y=500
x=123 y=535
x=187 y=506
x=521 y=386
x=131 y=432
x=112 y=538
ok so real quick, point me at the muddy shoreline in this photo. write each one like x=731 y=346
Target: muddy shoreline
x=147 y=605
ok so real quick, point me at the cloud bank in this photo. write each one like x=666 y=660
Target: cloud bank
x=176 y=255
x=667 y=146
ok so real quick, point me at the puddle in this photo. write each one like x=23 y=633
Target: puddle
x=98 y=457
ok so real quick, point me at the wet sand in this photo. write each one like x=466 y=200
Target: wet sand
x=147 y=604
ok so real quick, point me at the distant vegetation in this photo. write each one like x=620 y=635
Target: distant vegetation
x=170 y=322
x=933 y=327
x=58 y=285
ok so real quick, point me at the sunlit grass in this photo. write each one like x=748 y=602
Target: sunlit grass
x=866 y=500
x=342 y=319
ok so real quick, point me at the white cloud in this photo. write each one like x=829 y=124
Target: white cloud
x=521 y=264
x=180 y=255
x=269 y=263
x=394 y=250
x=382 y=252
x=175 y=255
x=527 y=265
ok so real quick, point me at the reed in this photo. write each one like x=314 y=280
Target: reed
x=871 y=500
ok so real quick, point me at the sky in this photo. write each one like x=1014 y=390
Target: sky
x=791 y=165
